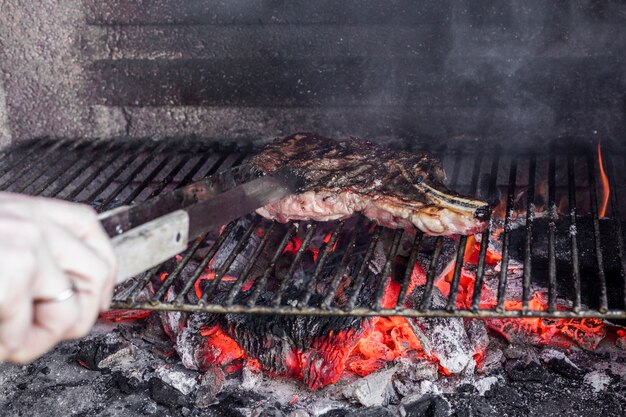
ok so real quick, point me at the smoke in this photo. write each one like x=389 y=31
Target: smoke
x=539 y=69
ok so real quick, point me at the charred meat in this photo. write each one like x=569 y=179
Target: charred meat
x=395 y=189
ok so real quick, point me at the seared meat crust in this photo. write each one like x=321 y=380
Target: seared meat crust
x=394 y=188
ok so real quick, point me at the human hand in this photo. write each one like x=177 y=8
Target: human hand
x=57 y=272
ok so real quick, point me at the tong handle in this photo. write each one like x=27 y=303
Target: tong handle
x=149 y=244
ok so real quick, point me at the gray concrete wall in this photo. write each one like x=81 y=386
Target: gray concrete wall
x=5 y=128
x=436 y=69
x=42 y=68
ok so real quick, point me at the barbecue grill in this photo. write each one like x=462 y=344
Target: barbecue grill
x=560 y=184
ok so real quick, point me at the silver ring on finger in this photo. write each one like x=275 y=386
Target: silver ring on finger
x=64 y=295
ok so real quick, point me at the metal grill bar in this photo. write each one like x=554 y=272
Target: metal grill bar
x=137 y=170
x=593 y=199
x=382 y=284
x=322 y=261
x=9 y=164
x=284 y=282
x=229 y=261
x=55 y=171
x=260 y=284
x=360 y=277
x=330 y=295
x=409 y=270
x=553 y=217
x=129 y=160
x=506 y=236
x=236 y=288
x=618 y=224
x=140 y=167
x=571 y=181
x=530 y=217
x=484 y=241
x=458 y=267
x=96 y=172
x=31 y=165
x=430 y=276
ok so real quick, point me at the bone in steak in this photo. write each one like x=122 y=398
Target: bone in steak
x=394 y=188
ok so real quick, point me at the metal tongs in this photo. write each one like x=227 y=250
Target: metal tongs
x=149 y=233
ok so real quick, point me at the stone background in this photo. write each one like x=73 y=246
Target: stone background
x=486 y=69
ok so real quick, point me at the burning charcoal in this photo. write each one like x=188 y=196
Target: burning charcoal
x=311 y=346
x=165 y=394
x=517 y=332
x=151 y=333
x=442 y=338
x=189 y=341
x=446 y=257
x=210 y=386
x=316 y=347
x=587 y=333
x=491 y=361
x=376 y=389
x=478 y=337
x=425 y=406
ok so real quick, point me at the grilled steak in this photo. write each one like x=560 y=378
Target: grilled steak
x=396 y=189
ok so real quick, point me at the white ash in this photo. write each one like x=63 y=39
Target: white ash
x=598 y=380
x=181 y=379
x=250 y=378
x=124 y=356
x=485 y=384
x=444 y=338
x=373 y=390
x=549 y=354
x=417 y=370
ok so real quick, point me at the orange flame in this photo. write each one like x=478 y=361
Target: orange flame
x=605 y=183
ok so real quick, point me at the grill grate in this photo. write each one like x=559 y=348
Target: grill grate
x=543 y=193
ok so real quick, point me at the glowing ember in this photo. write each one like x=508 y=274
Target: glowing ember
x=210 y=276
x=605 y=184
x=361 y=348
x=219 y=348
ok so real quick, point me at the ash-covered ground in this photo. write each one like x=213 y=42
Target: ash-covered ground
x=132 y=374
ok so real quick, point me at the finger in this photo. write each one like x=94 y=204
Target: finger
x=82 y=221
x=16 y=277
x=89 y=273
x=14 y=328
x=52 y=321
